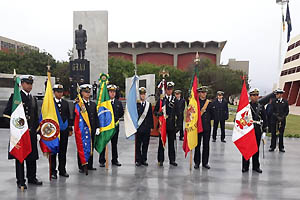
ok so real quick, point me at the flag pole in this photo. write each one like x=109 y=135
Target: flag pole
x=191 y=159
x=135 y=74
x=106 y=157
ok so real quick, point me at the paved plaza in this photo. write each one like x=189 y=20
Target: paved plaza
x=280 y=178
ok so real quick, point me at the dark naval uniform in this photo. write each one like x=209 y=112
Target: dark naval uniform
x=143 y=133
x=220 y=113
x=260 y=125
x=205 y=135
x=94 y=122
x=171 y=123
x=31 y=113
x=118 y=113
x=280 y=110
x=180 y=118
x=63 y=108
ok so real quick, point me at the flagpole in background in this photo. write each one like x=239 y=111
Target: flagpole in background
x=282 y=29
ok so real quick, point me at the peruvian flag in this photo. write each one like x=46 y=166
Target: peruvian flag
x=19 y=143
x=243 y=135
x=162 y=108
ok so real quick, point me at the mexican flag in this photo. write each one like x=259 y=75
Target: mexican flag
x=106 y=116
x=19 y=142
x=243 y=135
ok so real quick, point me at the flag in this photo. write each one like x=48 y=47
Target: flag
x=288 y=21
x=49 y=123
x=243 y=134
x=193 y=122
x=19 y=142
x=131 y=113
x=162 y=108
x=82 y=129
x=283 y=23
x=105 y=115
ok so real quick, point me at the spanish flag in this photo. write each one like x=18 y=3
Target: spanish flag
x=193 y=123
x=106 y=116
x=49 y=123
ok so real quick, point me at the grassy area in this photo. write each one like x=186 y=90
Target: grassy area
x=292 y=128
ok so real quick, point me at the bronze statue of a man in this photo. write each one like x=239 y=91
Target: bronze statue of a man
x=80 y=41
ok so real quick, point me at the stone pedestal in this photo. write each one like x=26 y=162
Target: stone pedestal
x=96 y=25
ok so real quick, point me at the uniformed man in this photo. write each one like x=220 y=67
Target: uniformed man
x=31 y=113
x=145 y=124
x=118 y=113
x=95 y=86
x=206 y=117
x=181 y=107
x=260 y=125
x=85 y=91
x=280 y=110
x=65 y=131
x=220 y=114
x=171 y=123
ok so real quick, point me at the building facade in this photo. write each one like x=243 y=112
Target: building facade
x=8 y=45
x=290 y=74
x=178 y=54
x=238 y=65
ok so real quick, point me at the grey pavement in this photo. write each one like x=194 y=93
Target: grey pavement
x=280 y=178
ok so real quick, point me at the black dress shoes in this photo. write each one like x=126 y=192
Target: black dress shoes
x=196 y=167
x=173 y=163
x=145 y=163
x=53 y=176
x=271 y=150
x=102 y=164
x=22 y=185
x=224 y=141
x=35 y=182
x=138 y=164
x=282 y=150
x=92 y=168
x=65 y=174
x=258 y=170
x=160 y=164
x=206 y=166
x=245 y=170
x=214 y=140
x=116 y=163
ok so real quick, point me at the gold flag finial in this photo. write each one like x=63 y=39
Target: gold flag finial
x=197 y=58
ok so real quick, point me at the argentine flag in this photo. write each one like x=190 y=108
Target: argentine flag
x=131 y=114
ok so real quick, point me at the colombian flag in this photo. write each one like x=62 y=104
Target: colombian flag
x=82 y=129
x=105 y=115
x=49 y=122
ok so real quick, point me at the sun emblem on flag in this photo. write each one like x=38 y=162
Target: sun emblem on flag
x=244 y=120
x=19 y=122
x=49 y=129
x=189 y=113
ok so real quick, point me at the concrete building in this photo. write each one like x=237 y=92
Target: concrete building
x=7 y=45
x=238 y=65
x=290 y=74
x=178 y=54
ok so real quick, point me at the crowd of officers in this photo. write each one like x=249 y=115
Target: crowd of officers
x=273 y=118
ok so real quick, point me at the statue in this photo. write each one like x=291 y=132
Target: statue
x=80 y=41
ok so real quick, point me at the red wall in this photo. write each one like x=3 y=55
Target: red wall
x=155 y=58
x=121 y=55
x=294 y=92
x=287 y=87
x=187 y=59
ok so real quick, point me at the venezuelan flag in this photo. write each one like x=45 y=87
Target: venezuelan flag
x=49 y=122
x=105 y=115
x=82 y=129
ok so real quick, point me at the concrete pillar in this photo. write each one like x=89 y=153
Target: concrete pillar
x=134 y=58
x=175 y=59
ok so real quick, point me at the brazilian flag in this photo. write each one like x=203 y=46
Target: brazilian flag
x=105 y=115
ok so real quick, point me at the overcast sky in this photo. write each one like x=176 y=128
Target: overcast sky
x=250 y=27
